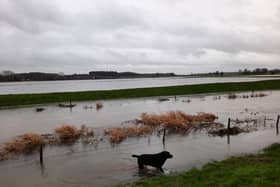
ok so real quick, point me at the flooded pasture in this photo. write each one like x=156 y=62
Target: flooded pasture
x=104 y=164
x=113 y=84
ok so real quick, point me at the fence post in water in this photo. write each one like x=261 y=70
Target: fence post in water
x=228 y=131
x=228 y=125
x=41 y=155
x=163 y=138
x=277 y=124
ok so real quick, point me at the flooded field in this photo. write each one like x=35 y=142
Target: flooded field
x=112 y=84
x=104 y=164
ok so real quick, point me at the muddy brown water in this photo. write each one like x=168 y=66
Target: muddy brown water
x=107 y=165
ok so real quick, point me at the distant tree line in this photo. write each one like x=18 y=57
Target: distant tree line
x=257 y=71
x=7 y=76
x=260 y=71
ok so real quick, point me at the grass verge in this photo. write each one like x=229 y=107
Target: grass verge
x=259 y=170
x=27 y=99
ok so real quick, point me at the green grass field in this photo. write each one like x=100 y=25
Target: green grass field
x=260 y=170
x=27 y=99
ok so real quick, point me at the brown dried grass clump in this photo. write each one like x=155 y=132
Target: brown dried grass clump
x=138 y=131
x=67 y=133
x=98 y=105
x=258 y=95
x=205 y=117
x=232 y=96
x=177 y=120
x=26 y=143
x=150 y=119
x=118 y=134
x=86 y=131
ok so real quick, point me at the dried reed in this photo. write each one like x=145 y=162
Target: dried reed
x=98 y=105
x=176 y=120
x=67 y=133
x=118 y=134
x=26 y=143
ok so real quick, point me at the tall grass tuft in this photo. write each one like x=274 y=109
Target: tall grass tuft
x=67 y=133
x=117 y=134
x=177 y=120
x=26 y=143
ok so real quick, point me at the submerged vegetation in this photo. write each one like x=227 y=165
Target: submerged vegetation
x=173 y=122
x=261 y=169
x=26 y=143
x=30 y=142
x=244 y=96
x=177 y=120
x=117 y=134
x=27 y=99
x=98 y=105
x=67 y=133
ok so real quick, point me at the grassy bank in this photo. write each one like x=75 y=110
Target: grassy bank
x=252 y=170
x=27 y=99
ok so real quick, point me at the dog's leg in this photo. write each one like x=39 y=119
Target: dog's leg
x=160 y=169
x=140 y=164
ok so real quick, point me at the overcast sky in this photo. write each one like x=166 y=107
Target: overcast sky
x=181 y=36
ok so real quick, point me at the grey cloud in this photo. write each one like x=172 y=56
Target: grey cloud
x=30 y=15
x=160 y=35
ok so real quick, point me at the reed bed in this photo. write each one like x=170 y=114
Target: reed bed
x=177 y=120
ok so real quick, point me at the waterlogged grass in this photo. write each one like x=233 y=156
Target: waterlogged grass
x=258 y=170
x=27 y=99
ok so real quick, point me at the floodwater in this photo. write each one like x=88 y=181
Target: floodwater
x=112 y=84
x=106 y=165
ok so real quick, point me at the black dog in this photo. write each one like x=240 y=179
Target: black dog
x=155 y=160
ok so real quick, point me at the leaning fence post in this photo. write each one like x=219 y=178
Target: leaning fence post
x=277 y=124
x=41 y=154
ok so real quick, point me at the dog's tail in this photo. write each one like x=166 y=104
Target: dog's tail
x=136 y=156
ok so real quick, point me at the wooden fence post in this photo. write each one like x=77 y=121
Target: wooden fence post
x=228 y=131
x=163 y=137
x=228 y=126
x=41 y=154
x=277 y=124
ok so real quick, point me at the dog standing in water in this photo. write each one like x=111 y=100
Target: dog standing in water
x=154 y=160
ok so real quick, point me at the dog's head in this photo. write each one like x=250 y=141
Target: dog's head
x=166 y=154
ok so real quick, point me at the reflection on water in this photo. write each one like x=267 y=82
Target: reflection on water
x=104 y=165
x=83 y=165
